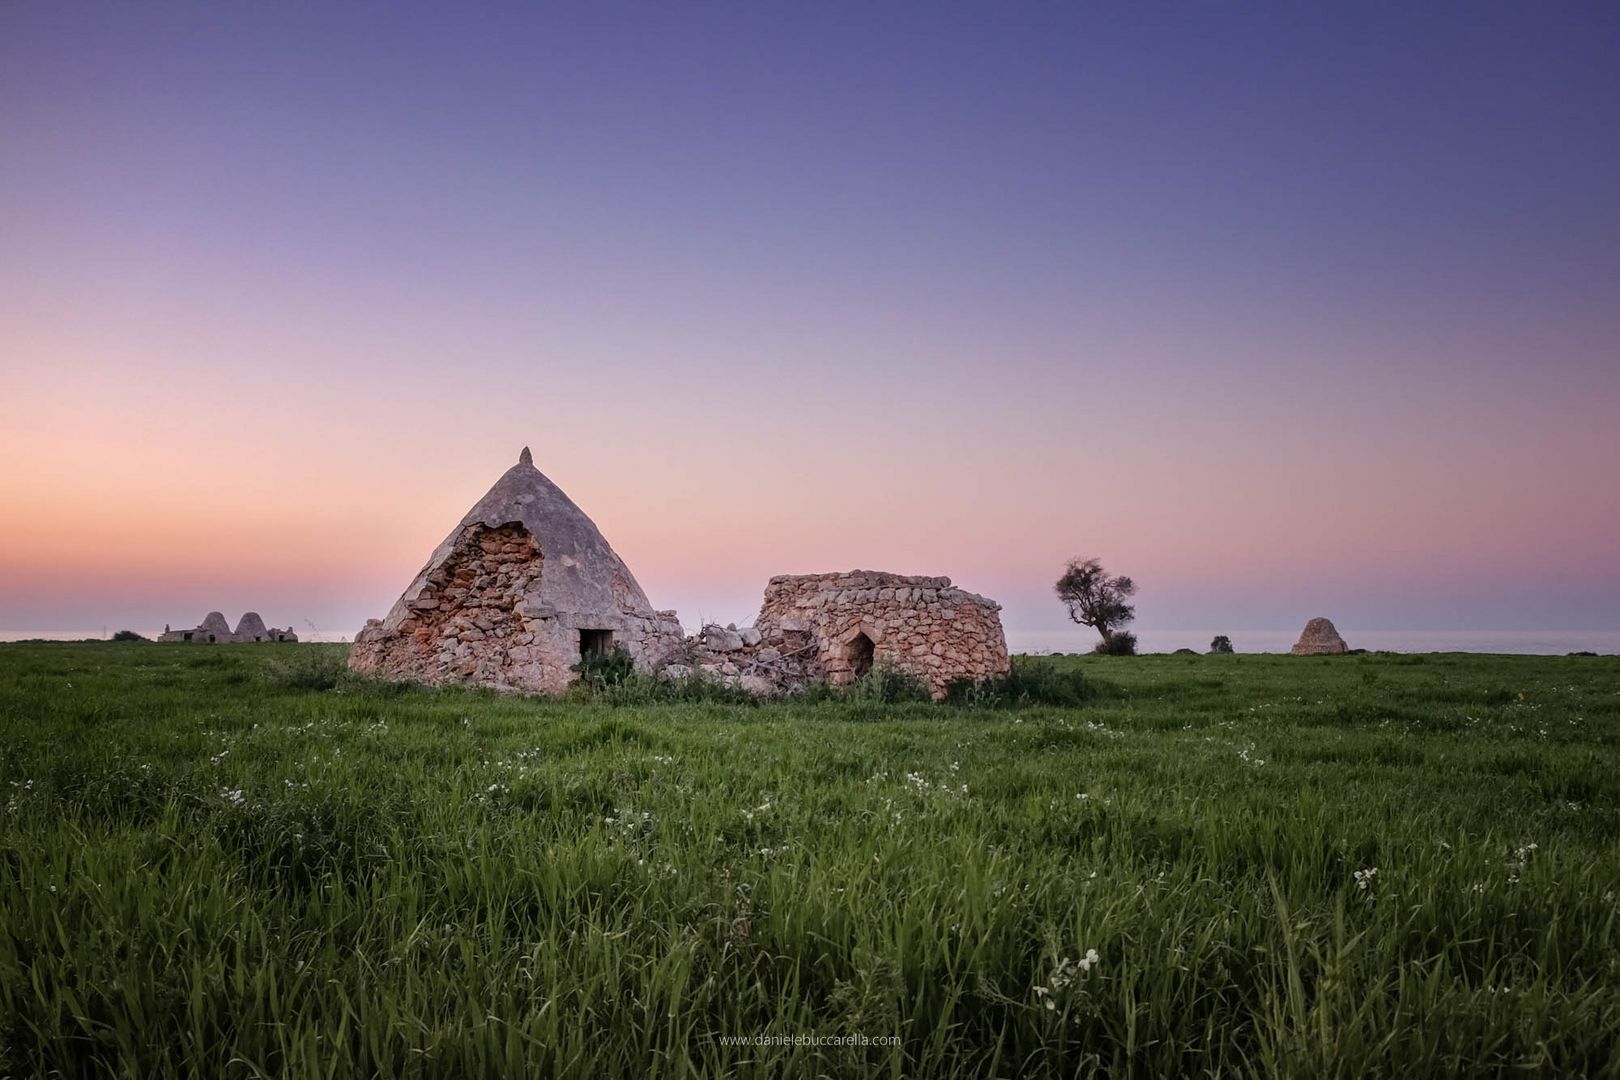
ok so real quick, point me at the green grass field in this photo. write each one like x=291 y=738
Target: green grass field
x=1341 y=866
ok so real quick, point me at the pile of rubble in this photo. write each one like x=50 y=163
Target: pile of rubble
x=742 y=657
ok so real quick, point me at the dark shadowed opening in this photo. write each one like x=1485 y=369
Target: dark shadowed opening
x=595 y=643
x=188 y=635
x=860 y=655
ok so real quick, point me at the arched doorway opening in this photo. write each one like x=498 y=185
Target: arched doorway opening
x=860 y=656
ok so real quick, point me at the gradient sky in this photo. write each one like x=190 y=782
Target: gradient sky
x=1284 y=310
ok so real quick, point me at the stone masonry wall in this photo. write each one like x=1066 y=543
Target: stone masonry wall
x=464 y=624
x=838 y=626
x=475 y=621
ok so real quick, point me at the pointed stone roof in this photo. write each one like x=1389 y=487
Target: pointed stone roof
x=214 y=623
x=582 y=573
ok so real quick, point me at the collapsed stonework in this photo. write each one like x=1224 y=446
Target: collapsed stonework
x=515 y=596
x=839 y=626
x=213 y=630
x=1319 y=638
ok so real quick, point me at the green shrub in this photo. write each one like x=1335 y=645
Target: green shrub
x=640 y=688
x=1032 y=680
x=1120 y=643
x=814 y=692
x=306 y=667
x=598 y=671
x=612 y=679
x=129 y=635
x=885 y=685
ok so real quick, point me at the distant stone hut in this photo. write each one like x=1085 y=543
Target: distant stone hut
x=522 y=589
x=839 y=626
x=1319 y=638
x=213 y=630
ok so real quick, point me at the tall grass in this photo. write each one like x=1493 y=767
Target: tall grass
x=210 y=868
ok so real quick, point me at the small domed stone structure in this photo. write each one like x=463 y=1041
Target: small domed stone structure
x=1319 y=638
x=250 y=627
x=514 y=597
x=839 y=626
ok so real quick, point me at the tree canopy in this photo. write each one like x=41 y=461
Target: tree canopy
x=1094 y=598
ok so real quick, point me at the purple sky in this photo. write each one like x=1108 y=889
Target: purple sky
x=1283 y=310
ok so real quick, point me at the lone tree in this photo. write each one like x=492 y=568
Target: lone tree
x=1221 y=644
x=1096 y=600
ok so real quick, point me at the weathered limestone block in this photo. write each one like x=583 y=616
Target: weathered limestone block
x=720 y=639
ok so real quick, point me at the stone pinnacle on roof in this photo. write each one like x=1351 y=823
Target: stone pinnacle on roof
x=526 y=458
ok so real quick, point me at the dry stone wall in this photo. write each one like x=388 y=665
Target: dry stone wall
x=476 y=620
x=464 y=624
x=839 y=626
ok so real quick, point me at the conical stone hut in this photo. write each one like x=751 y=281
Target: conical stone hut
x=1319 y=638
x=251 y=628
x=214 y=627
x=515 y=596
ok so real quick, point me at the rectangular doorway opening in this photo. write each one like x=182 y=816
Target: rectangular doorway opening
x=595 y=643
